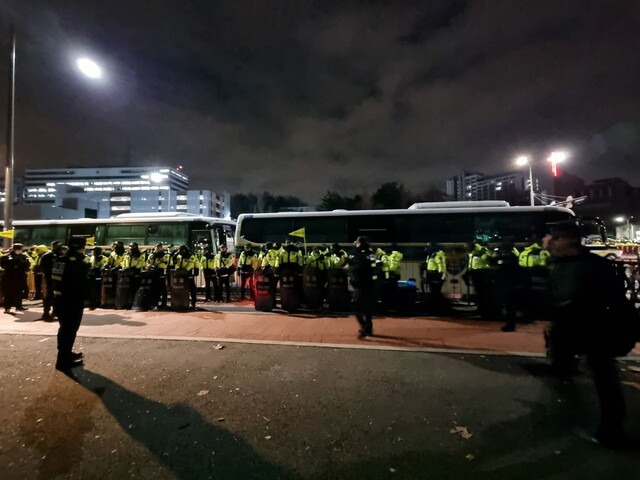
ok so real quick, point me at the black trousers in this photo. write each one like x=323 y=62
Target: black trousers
x=364 y=303
x=159 y=289
x=223 y=282
x=13 y=289
x=209 y=281
x=613 y=408
x=47 y=299
x=246 y=277
x=38 y=280
x=69 y=316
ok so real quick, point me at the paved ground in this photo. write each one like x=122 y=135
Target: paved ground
x=240 y=322
x=184 y=409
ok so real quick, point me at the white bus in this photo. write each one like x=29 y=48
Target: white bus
x=453 y=225
x=145 y=229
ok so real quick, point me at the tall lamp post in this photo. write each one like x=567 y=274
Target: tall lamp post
x=11 y=115
x=521 y=161
x=554 y=158
x=86 y=66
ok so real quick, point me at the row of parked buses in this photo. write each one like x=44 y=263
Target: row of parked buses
x=147 y=230
x=454 y=226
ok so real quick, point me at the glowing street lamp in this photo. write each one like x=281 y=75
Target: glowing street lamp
x=555 y=158
x=89 y=68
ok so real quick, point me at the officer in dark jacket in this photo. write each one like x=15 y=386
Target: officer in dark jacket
x=362 y=277
x=15 y=265
x=71 y=289
x=46 y=266
x=582 y=285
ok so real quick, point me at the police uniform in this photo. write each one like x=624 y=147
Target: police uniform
x=533 y=265
x=362 y=275
x=478 y=267
x=184 y=260
x=247 y=263
x=224 y=265
x=207 y=263
x=97 y=263
x=70 y=285
x=436 y=274
x=14 y=282
x=157 y=263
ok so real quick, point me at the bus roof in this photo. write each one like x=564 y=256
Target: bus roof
x=416 y=211
x=131 y=219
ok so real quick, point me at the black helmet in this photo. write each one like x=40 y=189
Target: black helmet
x=77 y=243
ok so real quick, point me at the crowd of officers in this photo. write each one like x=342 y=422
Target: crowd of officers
x=161 y=262
x=505 y=281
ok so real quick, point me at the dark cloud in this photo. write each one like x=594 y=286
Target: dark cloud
x=299 y=97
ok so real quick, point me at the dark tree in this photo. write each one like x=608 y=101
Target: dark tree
x=335 y=201
x=243 y=203
x=391 y=195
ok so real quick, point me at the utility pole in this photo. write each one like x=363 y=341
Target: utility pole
x=11 y=117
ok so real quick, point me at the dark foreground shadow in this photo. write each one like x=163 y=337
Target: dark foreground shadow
x=178 y=436
x=88 y=319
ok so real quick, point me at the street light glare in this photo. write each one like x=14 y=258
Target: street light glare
x=619 y=219
x=557 y=157
x=89 y=68
x=522 y=160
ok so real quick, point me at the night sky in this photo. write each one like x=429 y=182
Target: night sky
x=298 y=97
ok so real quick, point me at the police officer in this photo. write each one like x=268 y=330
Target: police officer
x=505 y=269
x=337 y=257
x=134 y=262
x=207 y=263
x=582 y=285
x=362 y=276
x=478 y=267
x=97 y=262
x=157 y=263
x=224 y=264
x=134 y=258
x=185 y=260
x=533 y=266
x=269 y=260
x=117 y=257
x=247 y=263
x=316 y=259
x=70 y=290
x=38 y=253
x=46 y=264
x=436 y=273
x=15 y=265
x=290 y=257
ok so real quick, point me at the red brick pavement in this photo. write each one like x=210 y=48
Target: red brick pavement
x=240 y=323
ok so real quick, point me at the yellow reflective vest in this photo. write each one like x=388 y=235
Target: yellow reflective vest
x=533 y=256
x=437 y=262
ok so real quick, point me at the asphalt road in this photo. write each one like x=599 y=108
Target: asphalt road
x=186 y=410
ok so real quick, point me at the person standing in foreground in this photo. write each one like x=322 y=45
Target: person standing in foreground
x=71 y=288
x=362 y=277
x=583 y=286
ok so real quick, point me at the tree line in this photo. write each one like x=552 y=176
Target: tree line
x=387 y=195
